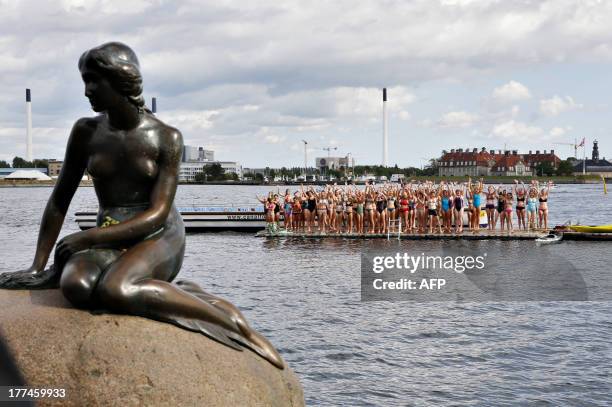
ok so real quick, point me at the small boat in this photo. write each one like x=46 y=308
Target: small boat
x=591 y=229
x=210 y=218
x=549 y=238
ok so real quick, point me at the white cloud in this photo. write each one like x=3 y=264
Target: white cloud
x=511 y=92
x=557 y=105
x=557 y=131
x=274 y=139
x=515 y=111
x=516 y=131
x=219 y=70
x=404 y=115
x=457 y=120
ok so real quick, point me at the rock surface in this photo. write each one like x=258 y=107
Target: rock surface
x=131 y=361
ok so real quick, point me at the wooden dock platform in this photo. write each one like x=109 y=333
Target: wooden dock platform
x=466 y=235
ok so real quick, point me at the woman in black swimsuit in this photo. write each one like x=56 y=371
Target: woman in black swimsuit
x=310 y=210
x=459 y=204
x=381 y=212
x=521 y=197
x=501 y=205
x=543 y=209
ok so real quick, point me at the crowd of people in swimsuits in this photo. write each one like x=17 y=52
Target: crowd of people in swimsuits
x=423 y=207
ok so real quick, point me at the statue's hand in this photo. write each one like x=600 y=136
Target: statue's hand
x=21 y=279
x=71 y=244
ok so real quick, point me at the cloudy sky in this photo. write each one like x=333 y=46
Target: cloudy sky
x=250 y=80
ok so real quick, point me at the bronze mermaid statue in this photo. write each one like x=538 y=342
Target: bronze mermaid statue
x=128 y=262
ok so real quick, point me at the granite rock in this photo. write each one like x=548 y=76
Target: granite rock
x=131 y=361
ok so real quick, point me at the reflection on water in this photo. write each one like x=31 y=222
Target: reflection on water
x=305 y=296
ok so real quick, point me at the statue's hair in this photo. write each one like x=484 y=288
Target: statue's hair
x=119 y=64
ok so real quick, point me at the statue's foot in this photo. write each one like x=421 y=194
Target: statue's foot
x=269 y=352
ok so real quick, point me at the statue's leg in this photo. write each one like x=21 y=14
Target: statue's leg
x=137 y=284
x=81 y=273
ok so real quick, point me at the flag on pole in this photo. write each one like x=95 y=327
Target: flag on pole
x=581 y=143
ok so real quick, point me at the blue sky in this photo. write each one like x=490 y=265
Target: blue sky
x=250 y=81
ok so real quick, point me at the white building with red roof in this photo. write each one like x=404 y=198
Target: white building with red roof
x=477 y=163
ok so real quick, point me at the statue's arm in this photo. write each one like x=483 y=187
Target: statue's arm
x=75 y=161
x=72 y=171
x=162 y=197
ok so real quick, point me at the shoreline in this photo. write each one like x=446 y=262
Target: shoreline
x=487 y=180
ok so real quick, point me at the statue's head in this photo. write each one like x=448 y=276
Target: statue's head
x=116 y=64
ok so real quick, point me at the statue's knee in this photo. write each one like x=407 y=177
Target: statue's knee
x=76 y=287
x=114 y=294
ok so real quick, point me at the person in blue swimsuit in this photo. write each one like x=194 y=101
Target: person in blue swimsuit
x=532 y=208
x=447 y=213
x=475 y=190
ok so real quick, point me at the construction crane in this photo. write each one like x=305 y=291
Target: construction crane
x=575 y=145
x=328 y=149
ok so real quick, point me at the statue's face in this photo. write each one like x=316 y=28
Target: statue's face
x=99 y=91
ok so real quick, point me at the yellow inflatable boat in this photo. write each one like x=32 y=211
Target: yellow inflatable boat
x=591 y=229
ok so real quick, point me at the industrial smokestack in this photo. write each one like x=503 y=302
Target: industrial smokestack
x=385 y=136
x=154 y=105
x=28 y=125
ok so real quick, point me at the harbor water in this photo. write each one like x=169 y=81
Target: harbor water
x=304 y=295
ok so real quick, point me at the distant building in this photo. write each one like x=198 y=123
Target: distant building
x=206 y=155
x=459 y=163
x=511 y=165
x=477 y=163
x=189 y=170
x=334 y=163
x=26 y=174
x=537 y=158
x=54 y=167
x=191 y=153
x=594 y=166
x=254 y=171
x=8 y=171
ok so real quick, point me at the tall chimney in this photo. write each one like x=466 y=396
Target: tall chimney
x=28 y=125
x=385 y=136
x=154 y=105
